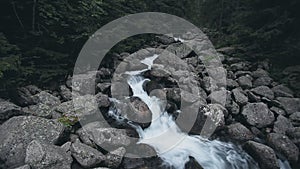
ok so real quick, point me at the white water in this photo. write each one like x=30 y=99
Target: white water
x=175 y=147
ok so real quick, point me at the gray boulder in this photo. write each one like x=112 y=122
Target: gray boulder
x=283 y=145
x=245 y=82
x=295 y=119
x=290 y=105
x=23 y=96
x=8 y=110
x=278 y=111
x=263 y=81
x=264 y=155
x=258 y=114
x=263 y=91
x=282 y=125
x=18 y=132
x=239 y=97
x=45 y=156
x=65 y=93
x=218 y=97
x=282 y=91
x=239 y=132
x=294 y=135
x=40 y=110
x=260 y=73
x=114 y=158
x=45 y=98
x=85 y=155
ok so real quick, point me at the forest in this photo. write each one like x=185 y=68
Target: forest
x=40 y=39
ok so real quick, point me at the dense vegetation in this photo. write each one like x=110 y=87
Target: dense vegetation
x=40 y=39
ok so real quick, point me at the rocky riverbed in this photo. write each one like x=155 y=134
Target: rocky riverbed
x=41 y=129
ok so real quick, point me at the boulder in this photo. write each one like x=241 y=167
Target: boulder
x=239 y=132
x=294 y=135
x=65 y=93
x=8 y=110
x=260 y=73
x=18 y=132
x=218 y=97
x=282 y=125
x=45 y=156
x=233 y=108
x=40 y=110
x=278 y=111
x=231 y=84
x=114 y=158
x=245 y=82
x=258 y=114
x=263 y=81
x=23 y=96
x=85 y=155
x=264 y=155
x=45 y=98
x=295 y=119
x=239 y=97
x=282 y=91
x=263 y=91
x=282 y=144
x=84 y=83
x=290 y=105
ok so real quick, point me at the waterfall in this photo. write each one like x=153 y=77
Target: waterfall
x=175 y=147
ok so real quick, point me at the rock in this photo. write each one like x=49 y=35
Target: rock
x=23 y=96
x=104 y=87
x=239 y=97
x=173 y=94
x=282 y=125
x=44 y=156
x=295 y=119
x=240 y=66
x=264 y=155
x=294 y=135
x=242 y=73
x=65 y=93
x=245 y=82
x=214 y=114
x=114 y=158
x=263 y=91
x=159 y=71
x=102 y=100
x=95 y=134
x=85 y=155
x=8 y=110
x=252 y=97
x=258 y=114
x=239 y=132
x=231 y=84
x=110 y=136
x=84 y=132
x=209 y=84
x=260 y=73
x=233 y=108
x=84 y=83
x=45 y=98
x=290 y=105
x=18 y=132
x=24 y=167
x=79 y=107
x=282 y=144
x=218 y=97
x=263 y=81
x=278 y=111
x=282 y=91
x=40 y=110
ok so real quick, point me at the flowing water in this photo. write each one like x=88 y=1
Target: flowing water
x=175 y=147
